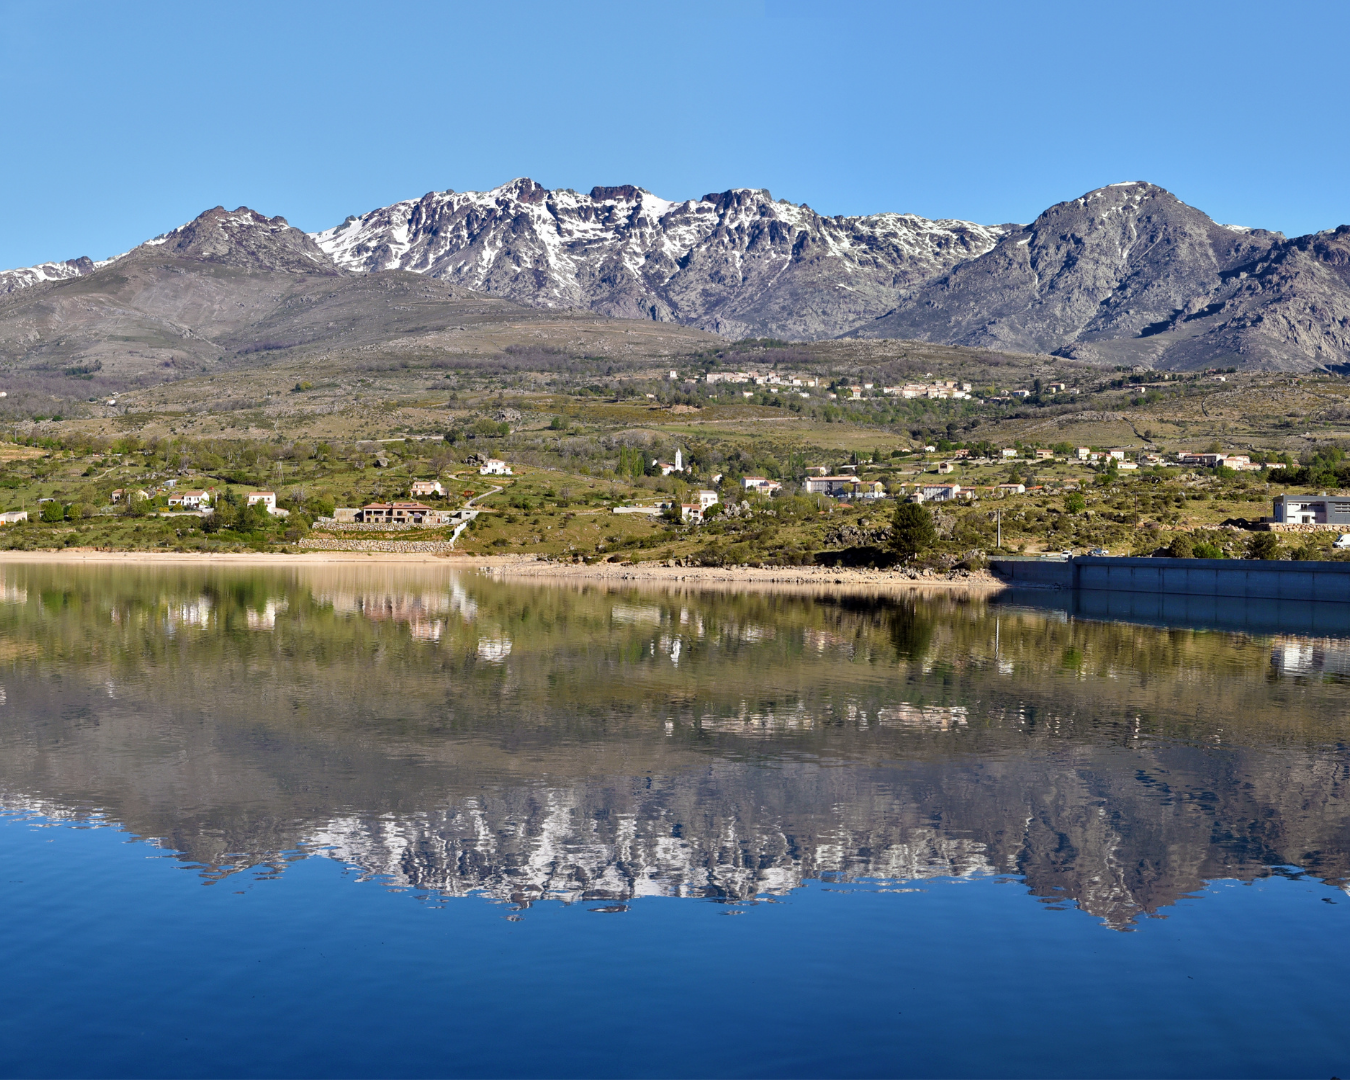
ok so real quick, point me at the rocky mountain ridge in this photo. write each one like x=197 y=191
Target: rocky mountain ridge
x=1124 y=275
x=738 y=263
x=28 y=276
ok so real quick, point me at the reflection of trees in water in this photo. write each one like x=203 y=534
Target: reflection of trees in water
x=714 y=745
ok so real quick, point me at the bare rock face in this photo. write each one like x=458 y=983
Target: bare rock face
x=738 y=263
x=1129 y=274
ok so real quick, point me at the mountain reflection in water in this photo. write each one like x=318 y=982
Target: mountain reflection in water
x=454 y=734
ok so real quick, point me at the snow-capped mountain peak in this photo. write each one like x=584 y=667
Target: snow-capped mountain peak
x=737 y=262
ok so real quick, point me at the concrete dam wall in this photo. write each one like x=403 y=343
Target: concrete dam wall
x=1247 y=579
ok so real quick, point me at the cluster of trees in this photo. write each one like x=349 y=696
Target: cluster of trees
x=1326 y=468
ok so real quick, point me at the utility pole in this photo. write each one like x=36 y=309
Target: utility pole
x=998 y=520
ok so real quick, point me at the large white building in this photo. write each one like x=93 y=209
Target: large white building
x=1331 y=510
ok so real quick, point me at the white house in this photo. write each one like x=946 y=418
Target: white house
x=691 y=512
x=494 y=467
x=940 y=492
x=268 y=499
x=705 y=499
x=1008 y=452
x=1210 y=461
x=13 y=517
x=762 y=484
x=190 y=500
x=427 y=487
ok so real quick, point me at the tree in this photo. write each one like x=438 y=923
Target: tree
x=1264 y=545
x=53 y=511
x=912 y=531
x=1074 y=503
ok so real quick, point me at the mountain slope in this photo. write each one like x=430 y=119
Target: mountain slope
x=737 y=263
x=233 y=287
x=1129 y=274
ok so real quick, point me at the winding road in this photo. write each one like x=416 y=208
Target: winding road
x=465 y=524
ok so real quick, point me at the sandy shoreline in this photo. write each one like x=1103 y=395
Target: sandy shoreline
x=528 y=568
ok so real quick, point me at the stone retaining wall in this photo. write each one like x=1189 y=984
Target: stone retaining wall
x=1283 y=527
x=397 y=547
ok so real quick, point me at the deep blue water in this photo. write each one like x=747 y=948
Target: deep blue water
x=121 y=962
x=352 y=823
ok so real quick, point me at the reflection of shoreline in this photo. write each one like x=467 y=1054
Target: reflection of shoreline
x=526 y=568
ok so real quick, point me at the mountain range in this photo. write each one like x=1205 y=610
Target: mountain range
x=1124 y=275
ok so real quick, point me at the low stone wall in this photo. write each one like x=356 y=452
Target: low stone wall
x=1282 y=527
x=394 y=547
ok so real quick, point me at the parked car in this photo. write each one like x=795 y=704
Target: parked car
x=1099 y=552
x=1342 y=542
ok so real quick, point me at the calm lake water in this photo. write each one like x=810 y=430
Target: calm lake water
x=346 y=821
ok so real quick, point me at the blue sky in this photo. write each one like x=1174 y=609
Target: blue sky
x=123 y=120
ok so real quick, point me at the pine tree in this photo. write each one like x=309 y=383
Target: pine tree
x=912 y=531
